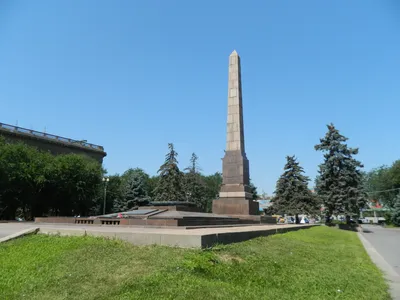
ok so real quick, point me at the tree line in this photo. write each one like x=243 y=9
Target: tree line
x=383 y=186
x=35 y=183
x=134 y=187
x=339 y=186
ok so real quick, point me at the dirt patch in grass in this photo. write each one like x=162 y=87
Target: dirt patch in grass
x=227 y=258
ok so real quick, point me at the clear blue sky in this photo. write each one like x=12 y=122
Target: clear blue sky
x=135 y=75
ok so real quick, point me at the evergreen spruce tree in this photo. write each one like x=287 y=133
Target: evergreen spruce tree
x=134 y=190
x=170 y=184
x=253 y=190
x=292 y=195
x=396 y=211
x=340 y=181
x=195 y=188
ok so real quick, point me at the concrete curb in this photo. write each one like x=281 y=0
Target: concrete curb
x=19 y=234
x=390 y=274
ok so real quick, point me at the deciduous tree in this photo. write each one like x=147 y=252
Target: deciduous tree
x=213 y=183
x=382 y=184
x=36 y=183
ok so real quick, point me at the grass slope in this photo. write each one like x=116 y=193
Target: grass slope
x=318 y=263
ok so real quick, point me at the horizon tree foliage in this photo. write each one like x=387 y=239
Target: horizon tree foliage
x=152 y=184
x=396 y=211
x=114 y=194
x=134 y=190
x=35 y=183
x=213 y=184
x=383 y=184
x=170 y=184
x=195 y=188
x=340 y=181
x=292 y=195
x=22 y=179
x=74 y=183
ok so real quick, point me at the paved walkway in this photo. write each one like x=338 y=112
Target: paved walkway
x=7 y=229
x=383 y=244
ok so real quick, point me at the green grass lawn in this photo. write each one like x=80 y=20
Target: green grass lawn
x=317 y=263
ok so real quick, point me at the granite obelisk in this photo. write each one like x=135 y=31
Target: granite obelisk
x=235 y=197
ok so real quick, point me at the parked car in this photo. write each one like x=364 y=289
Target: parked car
x=290 y=220
x=304 y=221
x=372 y=220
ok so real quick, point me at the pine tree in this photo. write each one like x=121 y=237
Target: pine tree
x=396 y=211
x=292 y=195
x=170 y=184
x=134 y=190
x=194 y=185
x=340 y=181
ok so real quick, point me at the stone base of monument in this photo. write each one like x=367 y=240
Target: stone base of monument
x=162 y=215
x=178 y=225
x=171 y=236
x=235 y=206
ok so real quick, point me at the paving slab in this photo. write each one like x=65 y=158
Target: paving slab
x=19 y=234
x=7 y=229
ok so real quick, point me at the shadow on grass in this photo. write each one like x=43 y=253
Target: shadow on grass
x=347 y=227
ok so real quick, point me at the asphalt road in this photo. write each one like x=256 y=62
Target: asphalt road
x=386 y=241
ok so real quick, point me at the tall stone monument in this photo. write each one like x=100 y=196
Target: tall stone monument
x=235 y=197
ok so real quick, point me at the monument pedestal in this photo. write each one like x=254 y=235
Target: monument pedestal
x=235 y=206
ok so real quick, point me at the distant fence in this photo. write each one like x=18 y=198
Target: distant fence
x=53 y=137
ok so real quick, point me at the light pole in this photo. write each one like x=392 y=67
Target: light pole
x=105 y=180
x=188 y=194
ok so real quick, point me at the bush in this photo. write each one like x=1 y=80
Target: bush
x=388 y=218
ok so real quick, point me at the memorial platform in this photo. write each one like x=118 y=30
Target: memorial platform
x=174 y=237
x=163 y=215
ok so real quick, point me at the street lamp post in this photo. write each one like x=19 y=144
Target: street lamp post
x=105 y=180
x=188 y=194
